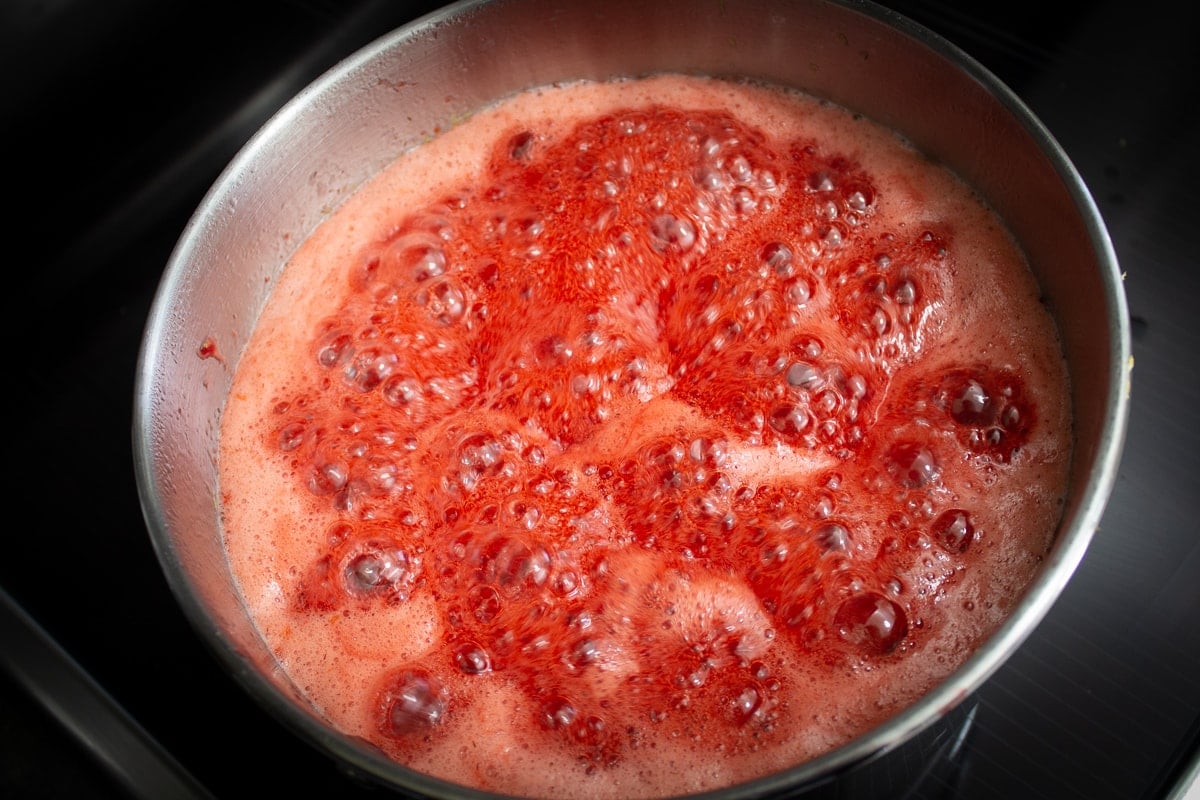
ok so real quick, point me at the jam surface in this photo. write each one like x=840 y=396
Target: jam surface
x=639 y=438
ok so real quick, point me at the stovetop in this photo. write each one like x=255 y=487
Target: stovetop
x=117 y=118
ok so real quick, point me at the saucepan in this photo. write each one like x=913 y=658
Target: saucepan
x=403 y=88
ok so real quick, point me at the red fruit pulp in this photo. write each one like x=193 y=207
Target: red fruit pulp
x=641 y=438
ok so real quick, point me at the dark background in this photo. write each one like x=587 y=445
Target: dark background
x=118 y=116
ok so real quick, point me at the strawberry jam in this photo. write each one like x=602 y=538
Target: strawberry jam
x=640 y=438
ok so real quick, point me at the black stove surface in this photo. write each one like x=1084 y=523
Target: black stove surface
x=117 y=118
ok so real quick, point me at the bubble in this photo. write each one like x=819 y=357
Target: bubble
x=583 y=653
x=413 y=701
x=709 y=452
x=424 y=262
x=444 y=301
x=823 y=506
x=583 y=385
x=484 y=604
x=515 y=564
x=374 y=566
x=553 y=350
x=779 y=257
x=709 y=179
x=402 y=390
x=472 y=659
x=905 y=292
x=565 y=583
x=972 y=405
x=746 y=702
x=789 y=420
x=953 y=530
x=520 y=145
x=291 y=436
x=820 y=182
x=828 y=402
x=328 y=477
x=834 y=237
x=798 y=291
x=803 y=375
x=557 y=712
x=912 y=465
x=369 y=368
x=877 y=322
x=481 y=453
x=871 y=622
x=740 y=170
x=834 y=537
x=857 y=201
x=745 y=202
x=335 y=349
x=671 y=233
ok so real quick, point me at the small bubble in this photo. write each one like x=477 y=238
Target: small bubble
x=953 y=530
x=425 y=262
x=834 y=537
x=857 y=201
x=583 y=385
x=912 y=465
x=668 y=232
x=820 y=182
x=328 y=477
x=413 y=701
x=746 y=703
x=779 y=257
x=369 y=368
x=376 y=566
x=788 y=420
x=798 y=291
x=444 y=301
x=740 y=169
x=803 y=375
x=557 y=712
x=871 y=622
x=972 y=404
x=484 y=603
x=709 y=179
x=877 y=322
x=520 y=145
x=336 y=349
x=291 y=436
x=472 y=659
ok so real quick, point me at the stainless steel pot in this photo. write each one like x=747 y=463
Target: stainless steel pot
x=400 y=90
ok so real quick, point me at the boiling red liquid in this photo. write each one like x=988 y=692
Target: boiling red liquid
x=637 y=439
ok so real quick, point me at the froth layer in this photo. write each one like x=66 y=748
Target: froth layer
x=641 y=438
